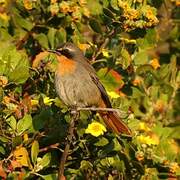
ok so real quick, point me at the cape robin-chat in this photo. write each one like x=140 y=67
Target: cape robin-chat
x=77 y=85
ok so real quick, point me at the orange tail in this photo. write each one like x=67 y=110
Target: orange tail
x=114 y=122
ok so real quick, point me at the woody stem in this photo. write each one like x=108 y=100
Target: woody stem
x=75 y=116
x=97 y=109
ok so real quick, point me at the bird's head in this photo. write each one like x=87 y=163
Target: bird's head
x=68 y=50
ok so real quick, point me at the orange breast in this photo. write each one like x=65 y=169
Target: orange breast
x=65 y=65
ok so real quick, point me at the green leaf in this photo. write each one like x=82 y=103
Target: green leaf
x=111 y=80
x=51 y=37
x=21 y=21
x=94 y=7
x=14 y=64
x=136 y=93
x=149 y=41
x=40 y=119
x=165 y=150
x=108 y=12
x=4 y=35
x=86 y=165
x=12 y=122
x=45 y=160
x=49 y=177
x=21 y=71
x=117 y=146
x=3 y=139
x=34 y=151
x=141 y=58
x=95 y=25
x=24 y=124
x=125 y=58
x=42 y=40
x=114 y=4
x=165 y=72
x=102 y=142
x=167 y=89
x=61 y=35
x=16 y=141
x=144 y=69
x=1 y=94
x=2 y=150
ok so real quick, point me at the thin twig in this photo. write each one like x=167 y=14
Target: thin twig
x=97 y=109
x=52 y=146
x=75 y=116
x=21 y=42
x=103 y=45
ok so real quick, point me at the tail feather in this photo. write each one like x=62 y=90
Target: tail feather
x=114 y=122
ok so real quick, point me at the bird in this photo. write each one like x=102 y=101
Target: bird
x=78 y=86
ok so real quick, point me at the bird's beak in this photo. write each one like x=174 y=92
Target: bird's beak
x=52 y=51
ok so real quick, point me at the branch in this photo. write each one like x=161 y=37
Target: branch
x=75 y=116
x=21 y=42
x=98 y=109
x=52 y=146
x=103 y=45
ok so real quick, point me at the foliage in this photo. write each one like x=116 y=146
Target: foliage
x=133 y=45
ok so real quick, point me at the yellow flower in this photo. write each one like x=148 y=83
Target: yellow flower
x=28 y=4
x=113 y=94
x=131 y=13
x=155 y=63
x=86 y=12
x=57 y=102
x=149 y=14
x=83 y=47
x=34 y=102
x=3 y=81
x=137 y=81
x=105 y=53
x=174 y=167
x=140 y=156
x=54 y=8
x=160 y=106
x=4 y=16
x=154 y=140
x=96 y=129
x=6 y=100
x=65 y=7
x=143 y=127
x=25 y=137
x=3 y=3
x=82 y=2
x=48 y=101
x=177 y=3
x=53 y=1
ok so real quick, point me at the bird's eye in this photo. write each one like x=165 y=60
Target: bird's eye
x=67 y=52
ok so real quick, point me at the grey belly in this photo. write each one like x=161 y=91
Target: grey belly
x=78 y=91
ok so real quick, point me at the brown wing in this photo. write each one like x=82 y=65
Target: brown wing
x=95 y=79
x=102 y=90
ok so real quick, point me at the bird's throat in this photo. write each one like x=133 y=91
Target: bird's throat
x=65 y=66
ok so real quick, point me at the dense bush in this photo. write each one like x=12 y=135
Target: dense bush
x=133 y=45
